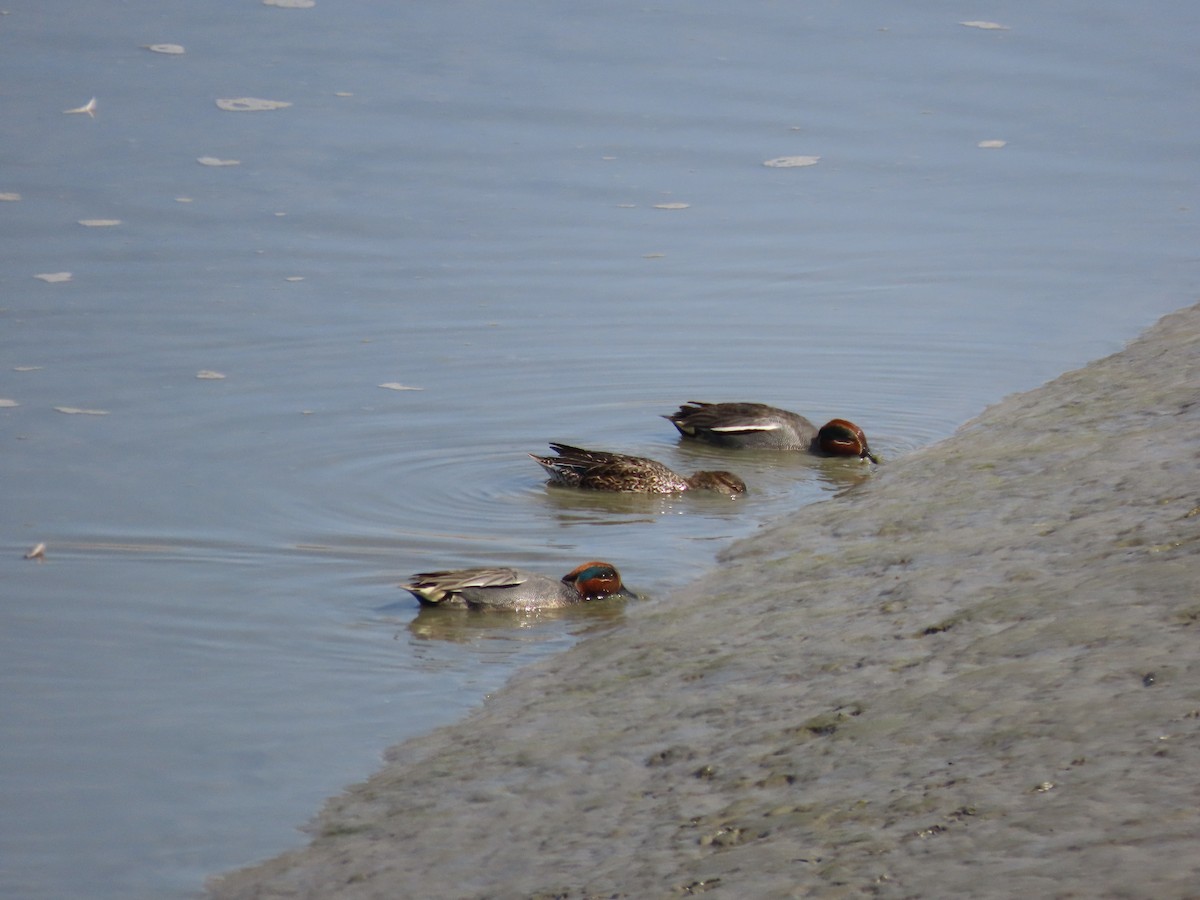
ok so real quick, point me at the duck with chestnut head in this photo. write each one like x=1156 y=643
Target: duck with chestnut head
x=502 y=588
x=757 y=425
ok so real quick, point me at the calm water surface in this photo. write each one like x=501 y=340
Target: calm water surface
x=464 y=198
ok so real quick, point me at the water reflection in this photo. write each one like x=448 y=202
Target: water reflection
x=572 y=506
x=475 y=627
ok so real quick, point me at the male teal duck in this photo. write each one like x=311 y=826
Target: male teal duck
x=513 y=589
x=599 y=470
x=767 y=427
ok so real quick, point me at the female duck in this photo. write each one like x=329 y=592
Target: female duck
x=513 y=589
x=599 y=470
x=767 y=427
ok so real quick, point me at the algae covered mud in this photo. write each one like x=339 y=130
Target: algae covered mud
x=975 y=674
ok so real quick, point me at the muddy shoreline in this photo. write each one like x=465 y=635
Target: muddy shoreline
x=976 y=674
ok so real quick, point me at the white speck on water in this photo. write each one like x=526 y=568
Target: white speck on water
x=791 y=162
x=250 y=104
x=89 y=108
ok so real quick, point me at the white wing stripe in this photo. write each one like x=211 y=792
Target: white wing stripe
x=766 y=426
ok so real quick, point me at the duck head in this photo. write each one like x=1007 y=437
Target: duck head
x=839 y=437
x=722 y=482
x=595 y=580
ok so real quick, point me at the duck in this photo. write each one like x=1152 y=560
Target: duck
x=599 y=470
x=743 y=425
x=502 y=588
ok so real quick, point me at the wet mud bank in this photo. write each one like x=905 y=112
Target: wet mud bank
x=975 y=674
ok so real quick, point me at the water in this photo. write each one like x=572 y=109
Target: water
x=468 y=192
